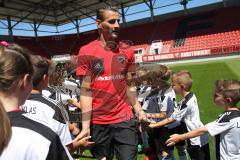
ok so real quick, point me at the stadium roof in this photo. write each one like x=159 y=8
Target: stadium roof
x=56 y=12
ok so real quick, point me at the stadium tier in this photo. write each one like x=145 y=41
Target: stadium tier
x=198 y=34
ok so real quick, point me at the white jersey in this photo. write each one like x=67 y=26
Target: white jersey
x=46 y=111
x=188 y=112
x=47 y=92
x=226 y=130
x=31 y=140
x=143 y=93
x=168 y=99
x=165 y=102
x=152 y=103
x=73 y=88
x=60 y=94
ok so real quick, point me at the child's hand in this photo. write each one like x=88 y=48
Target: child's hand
x=85 y=141
x=152 y=125
x=82 y=142
x=150 y=115
x=175 y=138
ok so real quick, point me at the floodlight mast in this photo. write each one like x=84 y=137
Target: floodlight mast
x=184 y=3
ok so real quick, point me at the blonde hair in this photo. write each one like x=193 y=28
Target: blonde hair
x=229 y=89
x=5 y=129
x=184 y=78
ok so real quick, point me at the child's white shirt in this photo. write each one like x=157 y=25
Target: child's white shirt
x=187 y=111
x=226 y=130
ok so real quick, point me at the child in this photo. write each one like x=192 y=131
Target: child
x=56 y=90
x=46 y=110
x=53 y=92
x=143 y=91
x=72 y=84
x=226 y=128
x=187 y=111
x=30 y=139
x=162 y=105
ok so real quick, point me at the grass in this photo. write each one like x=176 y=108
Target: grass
x=204 y=76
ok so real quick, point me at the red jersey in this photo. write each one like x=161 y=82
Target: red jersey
x=108 y=71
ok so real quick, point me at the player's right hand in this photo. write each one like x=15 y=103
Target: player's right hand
x=142 y=117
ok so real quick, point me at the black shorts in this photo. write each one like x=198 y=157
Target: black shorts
x=199 y=153
x=120 y=138
x=177 y=130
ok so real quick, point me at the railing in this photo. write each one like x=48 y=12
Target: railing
x=194 y=53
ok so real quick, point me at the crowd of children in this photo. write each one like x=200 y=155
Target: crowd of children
x=40 y=127
x=159 y=103
x=177 y=122
x=36 y=125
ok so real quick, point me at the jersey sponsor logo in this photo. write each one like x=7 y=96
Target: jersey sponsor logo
x=31 y=110
x=112 y=77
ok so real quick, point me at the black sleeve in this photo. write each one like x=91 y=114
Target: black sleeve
x=56 y=150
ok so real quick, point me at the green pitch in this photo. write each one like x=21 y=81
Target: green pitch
x=204 y=76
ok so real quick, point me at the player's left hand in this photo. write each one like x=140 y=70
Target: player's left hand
x=142 y=117
x=175 y=138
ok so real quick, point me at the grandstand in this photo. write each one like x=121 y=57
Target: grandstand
x=199 y=34
x=208 y=30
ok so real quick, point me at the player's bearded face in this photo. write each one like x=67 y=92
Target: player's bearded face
x=110 y=25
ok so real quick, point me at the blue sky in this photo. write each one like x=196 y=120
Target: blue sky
x=161 y=7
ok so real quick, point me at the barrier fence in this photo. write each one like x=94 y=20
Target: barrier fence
x=191 y=54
